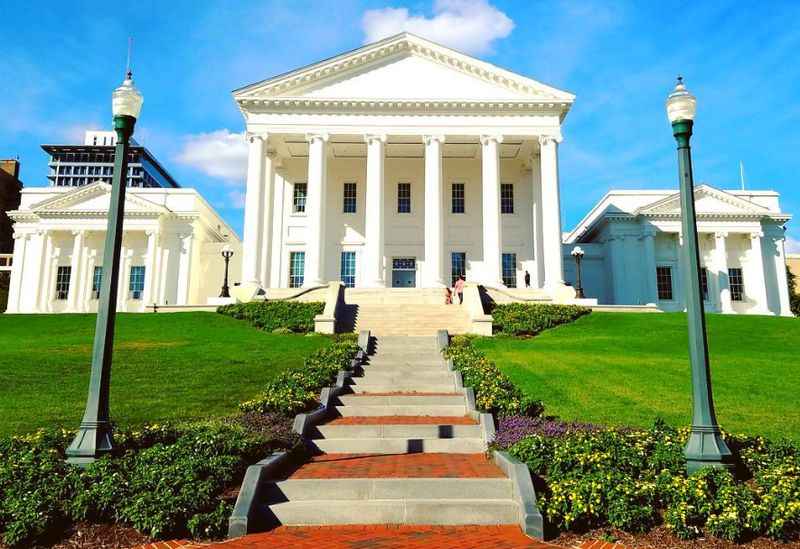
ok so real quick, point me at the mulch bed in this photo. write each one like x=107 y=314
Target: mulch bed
x=98 y=536
x=661 y=538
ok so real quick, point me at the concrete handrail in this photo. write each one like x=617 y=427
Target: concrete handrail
x=298 y=294
x=517 y=297
x=480 y=322
x=325 y=323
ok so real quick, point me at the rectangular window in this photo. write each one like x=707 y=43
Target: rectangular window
x=664 y=282
x=506 y=198
x=736 y=283
x=136 y=285
x=297 y=266
x=97 y=281
x=299 y=198
x=348 y=272
x=62 y=282
x=458 y=198
x=404 y=198
x=704 y=283
x=458 y=266
x=510 y=270
x=349 y=198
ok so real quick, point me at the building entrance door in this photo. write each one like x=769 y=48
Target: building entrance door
x=404 y=272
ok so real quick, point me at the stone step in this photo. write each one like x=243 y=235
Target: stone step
x=398 y=445
x=422 y=377
x=443 y=431
x=402 y=410
x=406 y=369
x=418 y=400
x=361 y=385
x=393 y=511
x=388 y=489
x=432 y=360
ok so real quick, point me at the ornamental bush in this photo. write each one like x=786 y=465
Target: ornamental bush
x=494 y=392
x=296 y=390
x=632 y=479
x=163 y=480
x=529 y=319
x=276 y=316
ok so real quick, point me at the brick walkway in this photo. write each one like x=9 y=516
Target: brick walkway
x=402 y=420
x=328 y=466
x=388 y=537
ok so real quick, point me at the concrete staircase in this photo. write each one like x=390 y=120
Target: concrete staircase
x=405 y=448
x=410 y=319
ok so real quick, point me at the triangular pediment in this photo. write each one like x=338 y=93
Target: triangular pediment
x=95 y=198
x=404 y=67
x=708 y=201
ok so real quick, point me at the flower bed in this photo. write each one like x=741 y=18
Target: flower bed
x=289 y=316
x=528 y=319
x=164 y=480
x=494 y=392
x=635 y=479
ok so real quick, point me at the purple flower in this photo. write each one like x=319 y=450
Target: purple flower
x=512 y=429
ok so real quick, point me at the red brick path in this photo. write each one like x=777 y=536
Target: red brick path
x=388 y=537
x=398 y=466
x=402 y=420
x=594 y=544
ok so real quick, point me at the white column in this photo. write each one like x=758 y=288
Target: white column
x=537 y=275
x=315 y=210
x=434 y=237
x=90 y=263
x=18 y=262
x=374 y=213
x=75 y=276
x=616 y=250
x=492 y=228
x=757 y=278
x=253 y=209
x=270 y=162
x=185 y=267
x=150 y=268
x=123 y=288
x=276 y=256
x=650 y=287
x=720 y=267
x=551 y=212
x=783 y=282
x=44 y=281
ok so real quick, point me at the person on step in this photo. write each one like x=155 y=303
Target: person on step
x=448 y=296
x=527 y=279
x=458 y=288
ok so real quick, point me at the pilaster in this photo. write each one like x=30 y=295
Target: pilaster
x=253 y=208
x=758 y=282
x=551 y=211
x=721 y=272
x=374 y=212
x=76 y=275
x=649 y=249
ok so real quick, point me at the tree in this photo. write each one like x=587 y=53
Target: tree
x=794 y=297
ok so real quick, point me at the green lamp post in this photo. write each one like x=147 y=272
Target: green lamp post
x=95 y=436
x=705 y=448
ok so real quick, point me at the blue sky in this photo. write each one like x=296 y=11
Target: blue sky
x=62 y=59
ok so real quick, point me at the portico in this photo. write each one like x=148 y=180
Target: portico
x=402 y=163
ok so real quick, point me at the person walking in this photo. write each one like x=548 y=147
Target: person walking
x=527 y=279
x=458 y=288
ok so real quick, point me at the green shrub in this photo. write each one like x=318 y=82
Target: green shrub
x=296 y=390
x=530 y=319
x=628 y=479
x=271 y=316
x=211 y=525
x=494 y=392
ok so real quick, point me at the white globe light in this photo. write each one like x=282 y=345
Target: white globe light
x=681 y=105
x=577 y=251
x=126 y=99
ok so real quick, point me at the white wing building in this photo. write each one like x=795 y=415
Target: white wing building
x=402 y=164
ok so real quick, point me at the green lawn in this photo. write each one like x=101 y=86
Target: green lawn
x=628 y=368
x=166 y=366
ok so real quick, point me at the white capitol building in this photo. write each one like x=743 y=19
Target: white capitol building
x=404 y=164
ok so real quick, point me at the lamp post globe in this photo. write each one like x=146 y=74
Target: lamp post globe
x=706 y=447
x=95 y=435
x=577 y=253
x=227 y=254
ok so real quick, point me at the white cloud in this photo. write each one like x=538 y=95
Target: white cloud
x=792 y=245
x=220 y=154
x=237 y=200
x=467 y=25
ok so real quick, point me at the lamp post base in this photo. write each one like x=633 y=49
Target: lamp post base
x=94 y=440
x=706 y=448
